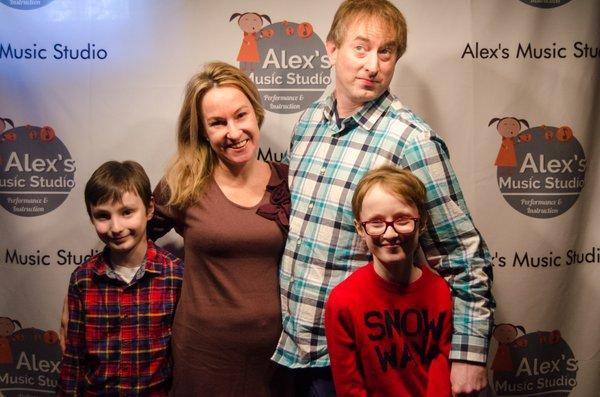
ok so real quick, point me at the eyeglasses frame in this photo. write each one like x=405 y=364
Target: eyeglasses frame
x=391 y=223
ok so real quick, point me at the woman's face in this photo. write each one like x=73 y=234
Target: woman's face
x=231 y=126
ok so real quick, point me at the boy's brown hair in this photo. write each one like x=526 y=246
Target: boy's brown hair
x=391 y=17
x=399 y=182
x=113 y=179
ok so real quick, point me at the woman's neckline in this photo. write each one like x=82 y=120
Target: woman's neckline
x=245 y=207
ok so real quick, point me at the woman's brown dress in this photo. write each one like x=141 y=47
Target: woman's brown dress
x=228 y=320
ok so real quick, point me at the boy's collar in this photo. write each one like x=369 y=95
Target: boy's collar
x=103 y=267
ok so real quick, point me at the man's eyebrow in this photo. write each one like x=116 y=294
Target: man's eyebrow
x=361 y=38
x=390 y=43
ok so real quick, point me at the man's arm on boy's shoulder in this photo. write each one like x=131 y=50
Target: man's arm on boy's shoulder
x=464 y=260
x=341 y=345
x=72 y=370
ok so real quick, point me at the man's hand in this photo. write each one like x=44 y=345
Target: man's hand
x=467 y=379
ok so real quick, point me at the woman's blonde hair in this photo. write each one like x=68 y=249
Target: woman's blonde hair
x=192 y=167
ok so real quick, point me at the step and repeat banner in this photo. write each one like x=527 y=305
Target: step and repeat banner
x=511 y=85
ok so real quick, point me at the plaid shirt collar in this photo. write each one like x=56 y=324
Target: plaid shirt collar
x=366 y=117
x=104 y=269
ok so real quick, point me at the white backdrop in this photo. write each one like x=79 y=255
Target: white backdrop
x=467 y=63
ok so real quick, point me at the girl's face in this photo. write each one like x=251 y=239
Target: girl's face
x=509 y=127
x=250 y=23
x=391 y=249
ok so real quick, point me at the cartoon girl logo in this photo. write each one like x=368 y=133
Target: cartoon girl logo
x=251 y=24
x=509 y=129
x=7 y=328
x=505 y=334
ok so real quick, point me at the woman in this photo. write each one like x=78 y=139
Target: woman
x=232 y=211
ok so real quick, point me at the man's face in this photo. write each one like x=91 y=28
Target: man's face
x=364 y=62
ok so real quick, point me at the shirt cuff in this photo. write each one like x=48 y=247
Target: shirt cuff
x=469 y=348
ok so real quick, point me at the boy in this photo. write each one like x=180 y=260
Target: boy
x=121 y=301
x=389 y=324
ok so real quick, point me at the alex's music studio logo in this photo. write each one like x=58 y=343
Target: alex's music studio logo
x=286 y=60
x=26 y=4
x=545 y=3
x=540 y=363
x=37 y=172
x=540 y=170
x=29 y=360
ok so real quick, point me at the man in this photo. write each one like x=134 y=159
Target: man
x=336 y=141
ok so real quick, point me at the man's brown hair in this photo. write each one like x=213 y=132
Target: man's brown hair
x=385 y=11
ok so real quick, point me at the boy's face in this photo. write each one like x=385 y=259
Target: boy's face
x=122 y=225
x=391 y=249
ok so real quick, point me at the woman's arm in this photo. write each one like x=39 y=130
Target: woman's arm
x=164 y=218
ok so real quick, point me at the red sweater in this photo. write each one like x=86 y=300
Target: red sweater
x=386 y=340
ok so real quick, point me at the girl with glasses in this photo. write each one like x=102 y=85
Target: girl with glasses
x=389 y=324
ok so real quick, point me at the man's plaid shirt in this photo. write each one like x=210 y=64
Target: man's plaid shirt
x=119 y=334
x=326 y=163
